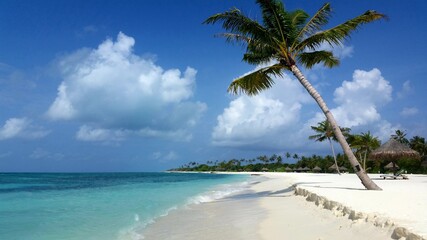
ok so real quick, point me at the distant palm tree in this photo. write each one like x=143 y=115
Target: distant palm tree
x=364 y=143
x=282 y=40
x=400 y=136
x=419 y=144
x=325 y=132
x=295 y=156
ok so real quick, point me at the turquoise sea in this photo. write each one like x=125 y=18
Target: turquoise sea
x=44 y=206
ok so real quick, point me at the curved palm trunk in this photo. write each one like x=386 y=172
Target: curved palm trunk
x=360 y=172
x=335 y=157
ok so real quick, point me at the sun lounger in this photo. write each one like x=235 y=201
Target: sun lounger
x=398 y=175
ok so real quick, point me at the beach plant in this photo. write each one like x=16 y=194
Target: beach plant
x=283 y=41
x=324 y=132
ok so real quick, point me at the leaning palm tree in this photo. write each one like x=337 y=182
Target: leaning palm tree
x=325 y=132
x=283 y=39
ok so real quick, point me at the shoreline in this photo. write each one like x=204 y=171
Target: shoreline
x=270 y=206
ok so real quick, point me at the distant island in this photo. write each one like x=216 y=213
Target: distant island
x=320 y=164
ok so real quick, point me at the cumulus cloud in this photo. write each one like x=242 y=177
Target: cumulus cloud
x=275 y=118
x=21 y=128
x=115 y=92
x=358 y=104
x=249 y=120
x=358 y=100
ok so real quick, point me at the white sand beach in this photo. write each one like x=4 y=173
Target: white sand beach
x=305 y=206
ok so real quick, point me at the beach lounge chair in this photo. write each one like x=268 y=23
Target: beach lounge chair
x=397 y=175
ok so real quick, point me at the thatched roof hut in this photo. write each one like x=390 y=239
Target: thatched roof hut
x=333 y=167
x=393 y=150
x=391 y=165
x=305 y=169
x=342 y=168
x=317 y=169
x=288 y=169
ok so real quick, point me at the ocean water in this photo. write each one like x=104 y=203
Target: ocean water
x=44 y=206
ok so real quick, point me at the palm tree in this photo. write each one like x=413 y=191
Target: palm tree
x=400 y=136
x=364 y=143
x=325 y=132
x=419 y=144
x=282 y=40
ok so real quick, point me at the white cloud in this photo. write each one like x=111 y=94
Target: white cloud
x=339 y=51
x=275 y=119
x=249 y=120
x=408 y=112
x=87 y=133
x=358 y=100
x=406 y=90
x=112 y=90
x=40 y=153
x=163 y=157
x=21 y=128
x=383 y=130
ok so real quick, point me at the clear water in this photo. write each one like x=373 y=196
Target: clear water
x=99 y=205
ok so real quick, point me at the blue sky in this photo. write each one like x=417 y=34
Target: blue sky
x=141 y=85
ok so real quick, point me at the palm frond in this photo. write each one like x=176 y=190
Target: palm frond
x=256 y=81
x=298 y=20
x=275 y=19
x=309 y=59
x=319 y=19
x=337 y=35
x=259 y=53
x=234 y=37
x=235 y=22
x=317 y=137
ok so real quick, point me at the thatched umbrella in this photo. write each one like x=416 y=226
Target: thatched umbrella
x=394 y=150
x=343 y=169
x=300 y=169
x=288 y=169
x=333 y=167
x=317 y=169
x=305 y=169
x=391 y=165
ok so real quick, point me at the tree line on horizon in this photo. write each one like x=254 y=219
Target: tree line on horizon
x=362 y=145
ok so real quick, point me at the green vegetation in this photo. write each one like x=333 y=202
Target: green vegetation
x=284 y=41
x=324 y=131
x=362 y=144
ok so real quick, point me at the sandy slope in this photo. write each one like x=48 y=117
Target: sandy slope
x=329 y=206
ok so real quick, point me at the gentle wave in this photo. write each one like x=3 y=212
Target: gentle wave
x=219 y=192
